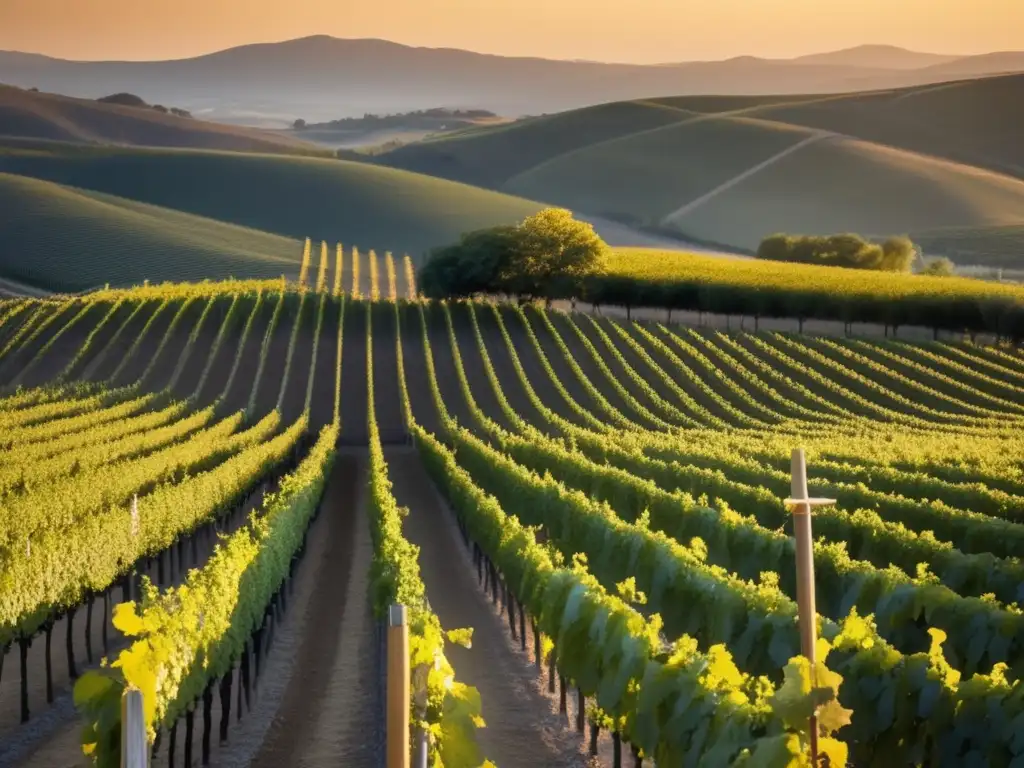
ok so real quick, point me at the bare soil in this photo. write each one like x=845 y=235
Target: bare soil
x=19 y=356
x=328 y=712
x=585 y=359
x=444 y=366
x=536 y=373
x=140 y=358
x=386 y=393
x=473 y=363
x=238 y=397
x=49 y=364
x=199 y=352
x=268 y=388
x=293 y=401
x=501 y=360
x=353 y=375
x=521 y=729
x=98 y=349
x=417 y=382
x=175 y=348
x=637 y=363
x=321 y=408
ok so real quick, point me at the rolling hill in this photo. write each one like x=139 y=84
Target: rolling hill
x=62 y=118
x=942 y=163
x=156 y=213
x=324 y=78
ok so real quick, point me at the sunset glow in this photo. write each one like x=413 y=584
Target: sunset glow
x=645 y=31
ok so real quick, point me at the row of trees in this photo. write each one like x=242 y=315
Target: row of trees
x=895 y=254
x=552 y=256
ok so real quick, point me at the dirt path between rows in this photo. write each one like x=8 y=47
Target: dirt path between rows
x=328 y=714
x=414 y=361
x=473 y=363
x=521 y=729
x=386 y=392
x=501 y=360
x=353 y=376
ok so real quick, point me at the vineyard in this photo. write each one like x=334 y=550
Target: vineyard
x=583 y=516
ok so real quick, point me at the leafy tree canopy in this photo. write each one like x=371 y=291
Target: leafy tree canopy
x=844 y=250
x=547 y=254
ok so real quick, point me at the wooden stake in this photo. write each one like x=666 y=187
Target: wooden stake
x=134 y=747
x=398 y=683
x=801 y=504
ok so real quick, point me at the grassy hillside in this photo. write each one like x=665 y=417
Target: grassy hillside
x=64 y=238
x=61 y=118
x=253 y=208
x=844 y=184
x=645 y=176
x=940 y=162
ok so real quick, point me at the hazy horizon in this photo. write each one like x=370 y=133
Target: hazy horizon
x=653 y=31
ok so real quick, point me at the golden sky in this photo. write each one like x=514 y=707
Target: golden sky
x=644 y=31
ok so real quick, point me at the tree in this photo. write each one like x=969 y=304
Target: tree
x=898 y=254
x=940 y=267
x=548 y=255
x=299 y=124
x=556 y=252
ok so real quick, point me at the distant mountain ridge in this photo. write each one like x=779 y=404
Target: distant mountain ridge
x=322 y=78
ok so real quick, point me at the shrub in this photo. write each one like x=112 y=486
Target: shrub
x=843 y=250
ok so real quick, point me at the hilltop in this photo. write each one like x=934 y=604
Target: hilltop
x=313 y=77
x=942 y=163
x=156 y=213
x=62 y=118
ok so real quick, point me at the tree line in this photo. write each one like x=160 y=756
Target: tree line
x=553 y=256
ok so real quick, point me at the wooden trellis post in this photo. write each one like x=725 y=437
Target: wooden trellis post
x=801 y=505
x=398 y=686
x=134 y=744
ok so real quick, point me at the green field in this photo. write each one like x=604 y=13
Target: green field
x=61 y=237
x=913 y=161
x=254 y=209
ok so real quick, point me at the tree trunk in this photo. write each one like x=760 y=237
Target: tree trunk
x=563 y=706
x=536 y=645
x=522 y=627
x=69 y=644
x=189 y=722
x=225 y=704
x=174 y=743
x=207 y=721
x=581 y=708
x=23 y=644
x=551 y=671
x=106 y=621
x=49 y=664
x=616 y=750
x=595 y=731
x=88 y=628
